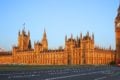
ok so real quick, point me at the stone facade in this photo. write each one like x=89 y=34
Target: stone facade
x=6 y=58
x=80 y=50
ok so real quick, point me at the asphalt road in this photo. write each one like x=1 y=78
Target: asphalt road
x=70 y=73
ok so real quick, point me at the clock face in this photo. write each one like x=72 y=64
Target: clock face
x=118 y=24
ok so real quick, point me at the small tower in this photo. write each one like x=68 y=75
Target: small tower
x=77 y=41
x=44 y=41
x=80 y=35
x=24 y=42
x=87 y=34
x=93 y=36
x=117 y=34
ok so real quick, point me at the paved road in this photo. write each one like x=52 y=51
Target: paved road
x=71 y=73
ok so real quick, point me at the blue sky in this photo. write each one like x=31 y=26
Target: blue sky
x=59 y=18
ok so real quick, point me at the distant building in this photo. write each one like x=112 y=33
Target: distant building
x=80 y=50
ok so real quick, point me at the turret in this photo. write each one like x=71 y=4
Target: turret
x=37 y=47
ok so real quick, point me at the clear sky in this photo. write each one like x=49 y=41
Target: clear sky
x=60 y=18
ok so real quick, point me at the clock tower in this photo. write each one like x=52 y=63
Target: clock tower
x=117 y=34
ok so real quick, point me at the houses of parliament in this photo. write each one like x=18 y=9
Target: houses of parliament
x=77 y=51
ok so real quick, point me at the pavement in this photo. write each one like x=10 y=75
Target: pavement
x=70 y=73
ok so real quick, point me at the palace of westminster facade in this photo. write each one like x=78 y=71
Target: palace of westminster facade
x=81 y=50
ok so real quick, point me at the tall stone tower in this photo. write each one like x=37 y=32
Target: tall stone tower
x=24 y=42
x=117 y=34
x=44 y=41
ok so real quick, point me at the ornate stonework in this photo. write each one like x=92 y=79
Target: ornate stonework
x=117 y=34
x=80 y=50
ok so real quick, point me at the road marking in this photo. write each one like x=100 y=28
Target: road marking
x=62 y=77
x=22 y=76
x=100 y=78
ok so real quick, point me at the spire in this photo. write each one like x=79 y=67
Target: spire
x=44 y=41
x=44 y=34
x=66 y=38
x=88 y=34
x=23 y=31
x=24 y=26
x=110 y=47
x=77 y=38
x=80 y=35
x=119 y=7
x=118 y=14
x=93 y=36
x=19 y=33
x=71 y=36
x=28 y=33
